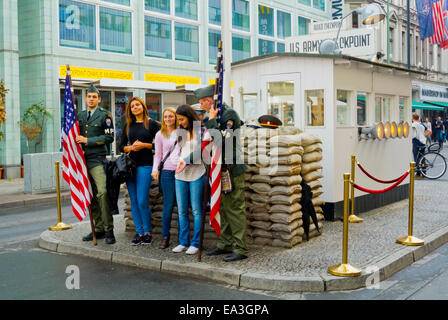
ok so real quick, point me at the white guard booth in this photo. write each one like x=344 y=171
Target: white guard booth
x=334 y=97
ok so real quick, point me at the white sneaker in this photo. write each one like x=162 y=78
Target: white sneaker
x=179 y=248
x=192 y=250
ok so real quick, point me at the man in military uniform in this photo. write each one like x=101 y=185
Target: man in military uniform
x=97 y=131
x=233 y=211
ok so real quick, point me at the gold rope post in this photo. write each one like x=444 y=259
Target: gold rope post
x=345 y=269
x=60 y=225
x=352 y=218
x=410 y=240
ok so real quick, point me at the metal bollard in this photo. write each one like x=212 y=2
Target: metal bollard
x=352 y=218
x=410 y=240
x=345 y=269
x=60 y=225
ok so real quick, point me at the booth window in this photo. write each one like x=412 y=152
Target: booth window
x=250 y=105
x=281 y=101
x=162 y=6
x=214 y=12
x=361 y=109
x=382 y=108
x=77 y=26
x=241 y=15
x=314 y=107
x=115 y=31
x=343 y=108
x=240 y=47
x=158 y=38
x=186 y=42
x=403 y=105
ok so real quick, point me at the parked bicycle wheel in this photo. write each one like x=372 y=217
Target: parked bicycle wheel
x=434 y=147
x=432 y=165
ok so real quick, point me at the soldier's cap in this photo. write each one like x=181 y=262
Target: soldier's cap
x=269 y=121
x=252 y=123
x=205 y=92
x=197 y=107
x=93 y=89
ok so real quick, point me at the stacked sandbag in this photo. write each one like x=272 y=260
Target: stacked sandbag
x=273 y=190
x=312 y=173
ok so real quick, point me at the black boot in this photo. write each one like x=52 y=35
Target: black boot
x=89 y=237
x=110 y=238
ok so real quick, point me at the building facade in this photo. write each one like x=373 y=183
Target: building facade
x=159 y=50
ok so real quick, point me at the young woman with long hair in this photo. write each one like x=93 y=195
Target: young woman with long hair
x=190 y=179
x=136 y=140
x=165 y=142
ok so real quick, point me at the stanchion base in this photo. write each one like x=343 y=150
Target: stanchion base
x=60 y=226
x=354 y=219
x=344 y=270
x=410 y=241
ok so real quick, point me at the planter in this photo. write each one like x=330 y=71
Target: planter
x=21 y=171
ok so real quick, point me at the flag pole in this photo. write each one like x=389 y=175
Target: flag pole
x=92 y=226
x=204 y=210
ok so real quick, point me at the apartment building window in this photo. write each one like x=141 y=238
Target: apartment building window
x=158 y=42
x=403 y=47
x=241 y=15
x=305 y=2
x=161 y=6
x=122 y=2
x=81 y=24
x=391 y=43
x=355 y=23
x=283 y=24
x=77 y=25
x=304 y=26
x=213 y=38
x=265 y=21
x=319 y=4
x=115 y=31
x=240 y=47
x=214 y=12
x=167 y=34
x=265 y=46
x=187 y=9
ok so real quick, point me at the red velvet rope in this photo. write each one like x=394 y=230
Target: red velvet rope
x=385 y=190
x=373 y=178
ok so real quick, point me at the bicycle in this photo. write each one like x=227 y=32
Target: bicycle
x=431 y=164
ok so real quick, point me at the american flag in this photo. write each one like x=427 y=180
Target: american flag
x=74 y=165
x=440 y=31
x=218 y=96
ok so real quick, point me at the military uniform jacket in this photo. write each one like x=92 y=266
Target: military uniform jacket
x=99 y=131
x=230 y=121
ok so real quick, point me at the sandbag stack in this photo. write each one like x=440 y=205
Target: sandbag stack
x=312 y=172
x=273 y=190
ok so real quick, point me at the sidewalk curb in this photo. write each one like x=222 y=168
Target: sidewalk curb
x=386 y=267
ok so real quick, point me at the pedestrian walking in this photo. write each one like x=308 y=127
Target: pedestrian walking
x=233 y=215
x=439 y=130
x=137 y=141
x=428 y=126
x=445 y=124
x=418 y=138
x=190 y=179
x=97 y=132
x=165 y=164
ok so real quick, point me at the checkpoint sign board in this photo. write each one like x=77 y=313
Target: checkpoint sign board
x=355 y=42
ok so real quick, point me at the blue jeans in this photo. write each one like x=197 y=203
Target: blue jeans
x=190 y=192
x=138 y=188
x=167 y=182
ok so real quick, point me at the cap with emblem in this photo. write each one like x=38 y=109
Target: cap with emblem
x=93 y=89
x=205 y=92
x=269 y=121
x=252 y=123
x=197 y=108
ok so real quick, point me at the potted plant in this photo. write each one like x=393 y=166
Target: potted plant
x=3 y=92
x=33 y=124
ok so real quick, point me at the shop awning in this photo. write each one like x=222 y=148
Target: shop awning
x=425 y=106
x=437 y=104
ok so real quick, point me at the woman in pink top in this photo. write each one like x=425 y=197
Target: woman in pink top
x=164 y=144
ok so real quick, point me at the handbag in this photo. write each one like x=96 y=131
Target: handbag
x=124 y=168
x=162 y=163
